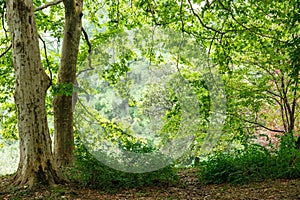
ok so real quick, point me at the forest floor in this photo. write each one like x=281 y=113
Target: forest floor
x=187 y=188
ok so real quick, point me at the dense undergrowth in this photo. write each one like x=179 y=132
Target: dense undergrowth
x=89 y=172
x=253 y=163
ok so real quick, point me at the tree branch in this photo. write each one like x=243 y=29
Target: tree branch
x=256 y=123
x=3 y=23
x=274 y=94
x=285 y=100
x=258 y=64
x=294 y=103
x=2 y=54
x=107 y=123
x=282 y=109
x=86 y=37
x=47 y=60
x=181 y=19
x=53 y=3
x=245 y=27
x=263 y=126
x=201 y=22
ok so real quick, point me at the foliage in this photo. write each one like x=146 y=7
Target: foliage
x=63 y=89
x=8 y=128
x=88 y=171
x=9 y=155
x=254 y=44
x=257 y=62
x=253 y=163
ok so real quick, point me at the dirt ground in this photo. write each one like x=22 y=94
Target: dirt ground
x=187 y=188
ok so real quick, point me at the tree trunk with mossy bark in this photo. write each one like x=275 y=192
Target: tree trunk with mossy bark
x=36 y=166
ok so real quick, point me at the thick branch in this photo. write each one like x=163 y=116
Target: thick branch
x=86 y=37
x=46 y=56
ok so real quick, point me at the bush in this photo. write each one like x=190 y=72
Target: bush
x=288 y=159
x=89 y=172
x=254 y=163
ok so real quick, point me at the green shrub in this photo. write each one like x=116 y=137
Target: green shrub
x=254 y=163
x=89 y=172
x=288 y=159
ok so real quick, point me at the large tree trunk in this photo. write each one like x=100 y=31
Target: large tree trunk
x=36 y=166
x=62 y=104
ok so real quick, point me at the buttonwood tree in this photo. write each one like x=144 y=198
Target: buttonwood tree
x=62 y=104
x=37 y=165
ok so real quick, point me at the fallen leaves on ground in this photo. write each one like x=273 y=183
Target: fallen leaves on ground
x=188 y=188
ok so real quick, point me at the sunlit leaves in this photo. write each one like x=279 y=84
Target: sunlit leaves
x=255 y=44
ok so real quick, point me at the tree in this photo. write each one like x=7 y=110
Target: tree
x=256 y=47
x=62 y=103
x=259 y=53
x=37 y=165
